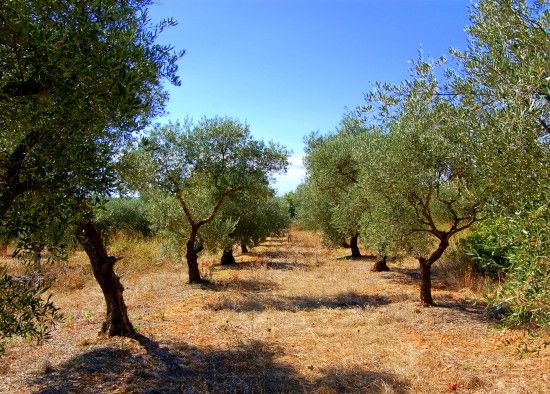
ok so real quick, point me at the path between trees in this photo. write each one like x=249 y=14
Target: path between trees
x=288 y=317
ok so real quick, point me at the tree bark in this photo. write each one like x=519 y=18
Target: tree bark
x=355 y=252
x=426 y=267
x=426 y=285
x=191 y=255
x=381 y=264
x=244 y=248
x=227 y=257
x=117 y=322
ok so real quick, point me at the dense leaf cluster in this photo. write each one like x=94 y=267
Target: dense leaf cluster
x=27 y=310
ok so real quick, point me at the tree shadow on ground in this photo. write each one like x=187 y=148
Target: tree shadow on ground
x=270 y=265
x=270 y=254
x=242 y=285
x=477 y=310
x=360 y=381
x=259 y=303
x=367 y=257
x=178 y=367
x=406 y=276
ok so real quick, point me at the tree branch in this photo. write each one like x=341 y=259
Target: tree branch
x=186 y=210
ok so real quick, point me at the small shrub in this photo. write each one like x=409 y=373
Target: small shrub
x=488 y=249
x=25 y=310
x=516 y=251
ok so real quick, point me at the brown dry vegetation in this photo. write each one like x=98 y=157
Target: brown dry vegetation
x=289 y=317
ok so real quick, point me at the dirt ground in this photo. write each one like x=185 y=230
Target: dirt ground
x=289 y=317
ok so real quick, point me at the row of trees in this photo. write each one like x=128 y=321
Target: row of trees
x=78 y=81
x=460 y=145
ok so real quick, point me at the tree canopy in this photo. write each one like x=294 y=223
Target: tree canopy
x=76 y=80
x=201 y=166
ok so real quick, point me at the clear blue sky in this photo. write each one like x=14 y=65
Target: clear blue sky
x=289 y=67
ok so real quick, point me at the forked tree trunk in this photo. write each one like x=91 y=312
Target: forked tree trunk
x=426 y=285
x=192 y=257
x=117 y=322
x=227 y=257
x=244 y=248
x=381 y=264
x=355 y=252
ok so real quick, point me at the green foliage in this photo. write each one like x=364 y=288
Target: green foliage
x=257 y=217
x=125 y=215
x=504 y=82
x=488 y=249
x=418 y=173
x=190 y=171
x=78 y=79
x=25 y=310
x=516 y=249
x=290 y=199
x=331 y=199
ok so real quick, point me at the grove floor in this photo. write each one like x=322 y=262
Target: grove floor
x=289 y=317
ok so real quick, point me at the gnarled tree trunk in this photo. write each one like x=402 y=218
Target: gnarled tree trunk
x=355 y=252
x=117 y=322
x=244 y=248
x=227 y=257
x=426 y=285
x=192 y=257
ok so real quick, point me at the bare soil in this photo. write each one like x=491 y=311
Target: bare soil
x=288 y=317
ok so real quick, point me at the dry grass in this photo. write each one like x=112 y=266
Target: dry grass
x=290 y=317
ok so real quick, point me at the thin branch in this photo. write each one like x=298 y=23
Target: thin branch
x=186 y=210
x=217 y=207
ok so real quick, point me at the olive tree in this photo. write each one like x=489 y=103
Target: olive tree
x=504 y=82
x=330 y=198
x=202 y=166
x=420 y=173
x=257 y=217
x=77 y=79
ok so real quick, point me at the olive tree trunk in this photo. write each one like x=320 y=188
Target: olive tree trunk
x=381 y=264
x=192 y=257
x=426 y=285
x=426 y=271
x=355 y=252
x=227 y=257
x=117 y=322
